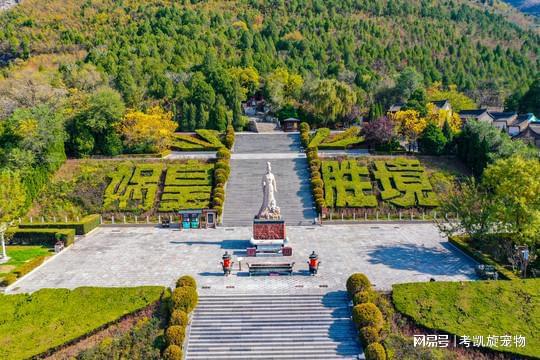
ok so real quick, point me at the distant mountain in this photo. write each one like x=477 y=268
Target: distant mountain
x=527 y=6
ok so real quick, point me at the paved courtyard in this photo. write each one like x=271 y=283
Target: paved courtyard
x=132 y=256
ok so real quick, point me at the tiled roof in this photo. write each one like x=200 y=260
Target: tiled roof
x=498 y=116
x=440 y=103
x=470 y=113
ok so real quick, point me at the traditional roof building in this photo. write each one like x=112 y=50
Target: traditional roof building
x=442 y=104
x=503 y=120
x=479 y=114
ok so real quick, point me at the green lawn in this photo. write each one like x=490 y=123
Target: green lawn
x=19 y=254
x=32 y=324
x=479 y=308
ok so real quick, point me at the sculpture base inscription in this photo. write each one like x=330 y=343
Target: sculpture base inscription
x=269 y=230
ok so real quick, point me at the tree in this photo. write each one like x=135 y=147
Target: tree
x=379 y=132
x=515 y=185
x=441 y=117
x=417 y=102
x=472 y=207
x=530 y=102
x=409 y=124
x=92 y=129
x=148 y=132
x=330 y=100
x=432 y=141
x=248 y=78
x=283 y=87
x=458 y=100
x=12 y=196
x=408 y=81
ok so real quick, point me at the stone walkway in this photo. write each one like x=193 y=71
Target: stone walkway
x=133 y=256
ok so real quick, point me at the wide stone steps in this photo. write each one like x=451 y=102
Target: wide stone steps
x=243 y=196
x=272 y=327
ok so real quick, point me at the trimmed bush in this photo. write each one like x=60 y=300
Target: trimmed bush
x=174 y=335
x=29 y=266
x=357 y=282
x=8 y=279
x=366 y=296
x=223 y=154
x=172 y=352
x=186 y=280
x=367 y=314
x=184 y=298
x=47 y=237
x=179 y=317
x=87 y=224
x=369 y=335
x=375 y=351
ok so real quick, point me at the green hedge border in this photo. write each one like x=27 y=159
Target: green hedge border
x=87 y=224
x=461 y=242
x=41 y=236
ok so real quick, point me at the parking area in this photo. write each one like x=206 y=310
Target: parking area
x=133 y=256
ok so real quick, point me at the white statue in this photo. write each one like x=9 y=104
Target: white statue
x=269 y=208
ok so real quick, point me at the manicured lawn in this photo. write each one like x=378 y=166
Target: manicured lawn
x=479 y=308
x=32 y=324
x=19 y=254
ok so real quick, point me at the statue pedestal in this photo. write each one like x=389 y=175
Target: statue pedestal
x=269 y=236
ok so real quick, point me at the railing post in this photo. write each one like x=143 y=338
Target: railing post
x=147 y=220
x=399 y=214
x=377 y=215
x=100 y=219
x=112 y=219
x=31 y=219
x=124 y=219
x=365 y=215
x=136 y=219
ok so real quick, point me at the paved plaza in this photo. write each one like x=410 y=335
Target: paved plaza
x=133 y=256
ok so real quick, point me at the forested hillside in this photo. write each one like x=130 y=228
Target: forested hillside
x=158 y=50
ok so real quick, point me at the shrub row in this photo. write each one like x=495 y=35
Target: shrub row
x=47 y=237
x=184 y=142
x=222 y=170
x=367 y=316
x=229 y=137
x=87 y=224
x=304 y=134
x=316 y=181
x=319 y=137
x=212 y=136
x=342 y=140
x=462 y=242
x=183 y=300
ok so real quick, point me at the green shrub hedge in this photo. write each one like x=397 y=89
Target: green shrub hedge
x=367 y=314
x=370 y=335
x=47 y=237
x=319 y=137
x=29 y=266
x=87 y=224
x=357 y=282
x=186 y=280
x=462 y=242
x=375 y=351
x=184 y=298
x=365 y=296
x=178 y=317
x=173 y=352
x=175 y=334
x=8 y=279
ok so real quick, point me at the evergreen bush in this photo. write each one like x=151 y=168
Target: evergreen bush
x=375 y=351
x=186 y=280
x=172 y=352
x=175 y=334
x=357 y=282
x=367 y=314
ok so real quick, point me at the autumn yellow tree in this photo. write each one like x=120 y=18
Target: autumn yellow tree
x=147 y=132
x=409 y=125
x=440 y=116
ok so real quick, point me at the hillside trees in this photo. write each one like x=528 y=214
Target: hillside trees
x=147 y=132
x=12 y=195
x=330 y=100
x=92 y=128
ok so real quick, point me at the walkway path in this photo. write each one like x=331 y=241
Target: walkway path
x=131 y=256
x=248 y=164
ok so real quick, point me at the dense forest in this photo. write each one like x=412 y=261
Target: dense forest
x=76 y=75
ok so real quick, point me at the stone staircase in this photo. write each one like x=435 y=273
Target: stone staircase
x=243 y=196
x=244 y=193
x=273 y=327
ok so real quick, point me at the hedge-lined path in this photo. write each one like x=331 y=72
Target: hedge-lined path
x=243 y=196
x=133 y=256
x=273 y=327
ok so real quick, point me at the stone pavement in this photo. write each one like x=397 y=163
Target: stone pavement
x=133 y=256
